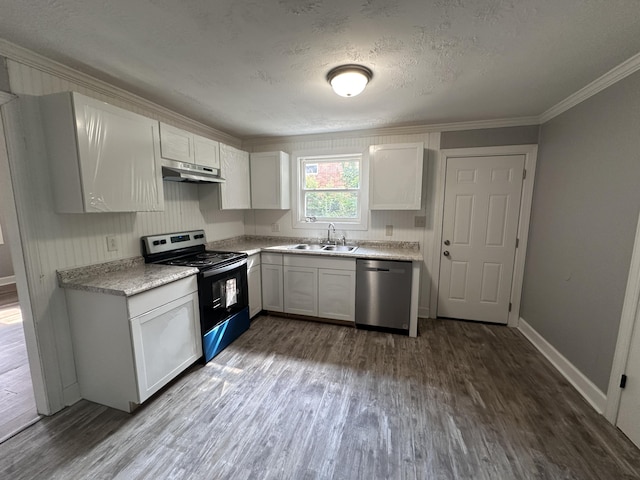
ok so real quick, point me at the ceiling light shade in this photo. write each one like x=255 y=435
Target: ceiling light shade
x=349 y=80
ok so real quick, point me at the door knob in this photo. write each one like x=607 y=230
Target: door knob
x=446 y=253
x=447 y=242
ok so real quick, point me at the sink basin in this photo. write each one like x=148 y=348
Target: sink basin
x=324 y=248
x=339 y=248
x=306 y=246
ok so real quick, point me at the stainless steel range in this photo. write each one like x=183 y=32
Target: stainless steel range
x=222 y=284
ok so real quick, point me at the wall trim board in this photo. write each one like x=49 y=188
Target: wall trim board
x=613 y=76
x=10 y=280
x=385 y=131
x=530 y=153
x=423 y=312
x=39 y=62
x=629 y=318
x=585 y=387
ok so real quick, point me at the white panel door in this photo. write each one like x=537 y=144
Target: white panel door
x=480 y=225
x=629 y=412
x=272 y=288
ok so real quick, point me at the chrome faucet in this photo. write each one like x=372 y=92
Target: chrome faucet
x=331 y=226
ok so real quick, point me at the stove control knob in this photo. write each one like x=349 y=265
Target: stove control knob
x=156 y=242
x=162 y=242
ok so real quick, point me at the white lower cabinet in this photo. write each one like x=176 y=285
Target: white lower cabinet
x=254 y=279
x=301 y=290
x=336 y=294
x=272 y=282
x=320 y=286
x=128 y=348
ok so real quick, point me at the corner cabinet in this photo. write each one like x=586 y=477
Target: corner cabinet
x=270 y=185
x=235 y=192
x=254 y=279
x=128 y=348
x=395 y=173
x=102 y=158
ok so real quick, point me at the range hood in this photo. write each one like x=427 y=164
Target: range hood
x=173 y=171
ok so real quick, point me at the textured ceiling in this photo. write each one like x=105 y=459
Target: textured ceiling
x=258 y=67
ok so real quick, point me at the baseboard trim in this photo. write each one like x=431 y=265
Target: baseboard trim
x=423 y=312
x=7 y=280
x=592 y=394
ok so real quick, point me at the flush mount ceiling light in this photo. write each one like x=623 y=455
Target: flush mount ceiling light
x=349 y=80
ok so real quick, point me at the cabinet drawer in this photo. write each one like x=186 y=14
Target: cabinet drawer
x=272 y=258
x=320 y=261
x=154 y=298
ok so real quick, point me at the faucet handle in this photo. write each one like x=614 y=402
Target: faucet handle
x=343 y=239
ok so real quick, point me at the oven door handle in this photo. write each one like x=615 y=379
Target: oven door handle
x=217 y=271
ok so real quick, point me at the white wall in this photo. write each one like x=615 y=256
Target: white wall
x=55 y=241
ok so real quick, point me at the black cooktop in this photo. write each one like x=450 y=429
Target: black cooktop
x=205 y=259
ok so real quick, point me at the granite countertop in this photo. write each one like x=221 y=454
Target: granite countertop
x=122 y=277
x=407 y=251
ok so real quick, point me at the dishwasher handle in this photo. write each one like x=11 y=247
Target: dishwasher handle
x=376 y=269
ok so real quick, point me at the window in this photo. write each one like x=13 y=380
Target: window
x=331 y=188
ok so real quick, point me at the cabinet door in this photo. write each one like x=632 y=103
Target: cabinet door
x=206 y=151
x=396 y=176
x=254 y=278
x=301 y=290
x=235 y=193
x=270 y=188
x=337 y=294
x=176 y=144
x=103 y=158
x=166 y=340
x=272 y=288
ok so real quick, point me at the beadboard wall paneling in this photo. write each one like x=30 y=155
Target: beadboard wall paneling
x=56 y=241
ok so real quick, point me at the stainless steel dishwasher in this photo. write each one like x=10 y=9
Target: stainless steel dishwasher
x=383 y=295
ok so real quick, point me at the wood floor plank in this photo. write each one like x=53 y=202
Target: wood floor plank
x=302 y=400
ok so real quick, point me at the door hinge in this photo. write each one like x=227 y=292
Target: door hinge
x=510 y=306
x=517 y=242
x=524 y=174
x=623 y=381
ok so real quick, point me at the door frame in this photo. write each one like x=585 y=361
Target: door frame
x=530 y=153
x=13 y=236
x=629 y=318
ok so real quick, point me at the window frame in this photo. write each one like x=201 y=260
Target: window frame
x=297 y=187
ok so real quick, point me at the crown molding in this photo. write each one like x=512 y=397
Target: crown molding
x=32 y=59
x=614 y=75
x=386 y=131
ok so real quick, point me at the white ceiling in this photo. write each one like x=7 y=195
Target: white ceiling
x=258 y=67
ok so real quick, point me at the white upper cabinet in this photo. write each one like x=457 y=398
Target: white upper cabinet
x=270 y=187
x=102 y=158
x=396 y=176
x=176 y=144
x=206 y=152
x=182 y=146
x=235 y=193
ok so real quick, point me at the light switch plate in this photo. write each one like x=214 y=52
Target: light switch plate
x=112 y=243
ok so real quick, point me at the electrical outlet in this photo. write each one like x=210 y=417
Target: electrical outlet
x=112 y=243
x=275 y=227
x=388 y=230
x=420 y=221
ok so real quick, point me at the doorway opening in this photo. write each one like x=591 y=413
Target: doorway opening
x=17 y=398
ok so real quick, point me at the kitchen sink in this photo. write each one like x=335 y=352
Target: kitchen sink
x=324 y=248
x=339 y=248
x=306 y=246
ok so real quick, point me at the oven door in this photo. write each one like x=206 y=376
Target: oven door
x=223 y=293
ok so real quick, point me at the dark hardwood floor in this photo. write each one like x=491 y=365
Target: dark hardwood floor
x=300 y=400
